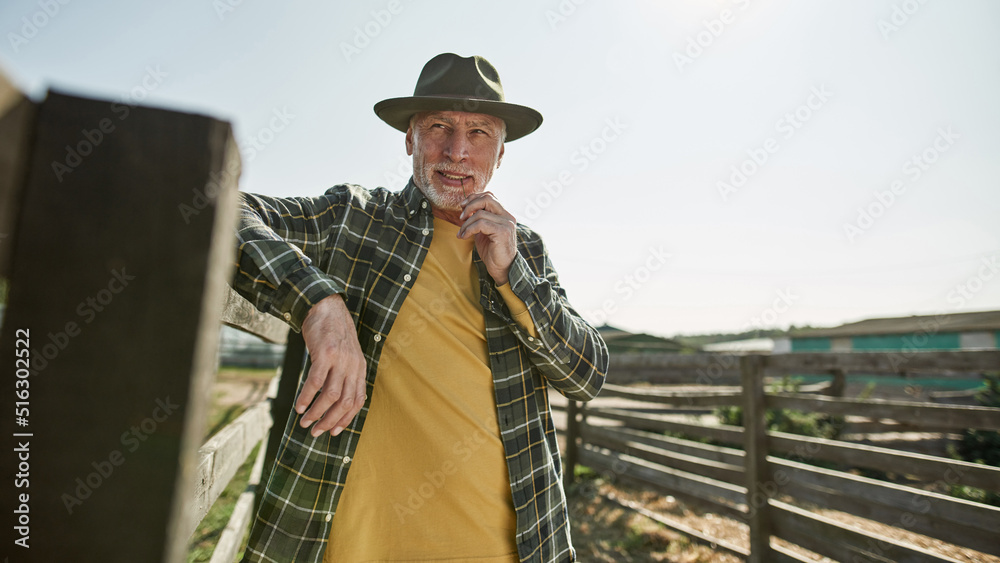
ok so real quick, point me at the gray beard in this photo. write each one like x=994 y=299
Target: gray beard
x=446 y=198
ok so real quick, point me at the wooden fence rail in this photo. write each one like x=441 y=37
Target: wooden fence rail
x=770 y=480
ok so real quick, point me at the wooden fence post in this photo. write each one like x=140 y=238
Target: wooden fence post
x=281 y=406
x=122 y=250
x=757 y=470
x=838 y=384
x=572 y=436
x=17 y=126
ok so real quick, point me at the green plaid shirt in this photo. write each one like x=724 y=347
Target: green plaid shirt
x=368 y=245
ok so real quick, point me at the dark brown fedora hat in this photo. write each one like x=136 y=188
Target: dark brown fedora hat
x=449 y=82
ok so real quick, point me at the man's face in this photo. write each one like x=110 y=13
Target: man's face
x=454 y=154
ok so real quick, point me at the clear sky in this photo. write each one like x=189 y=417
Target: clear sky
x=703 y=165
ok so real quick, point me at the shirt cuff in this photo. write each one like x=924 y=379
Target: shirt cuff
x=518 y=309
x=302 y=289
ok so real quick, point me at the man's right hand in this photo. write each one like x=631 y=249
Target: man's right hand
x=335 y=385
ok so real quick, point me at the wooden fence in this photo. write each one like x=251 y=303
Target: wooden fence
x=116 y=239
x=768 y=482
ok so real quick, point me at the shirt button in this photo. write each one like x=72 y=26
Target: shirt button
x=378 y=338
x=407 y=277
x=423 y=204
x=412 y=212
x=425 y=232
x=329 y=516
x=347 y=459
x=288 y=316
x=531 y=339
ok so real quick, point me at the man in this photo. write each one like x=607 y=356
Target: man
x=435 y=325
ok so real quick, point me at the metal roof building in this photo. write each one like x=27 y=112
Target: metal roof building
x=951 y=331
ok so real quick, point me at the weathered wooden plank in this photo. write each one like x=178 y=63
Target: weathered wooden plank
x=943 y=362
x=704 y=369
x=641 y=421
x=607 y=438
x=844 y=543
x=240 y=313
x=730 y=456
x=232 y=535
x=756 y=467
x=673 y=376
x=782 y=554
x=713 y=369
x=223 y=455
x=704 y=361
x=17 y=125
x=122 y=295
x=855 y=455
x=931 y=468
x=692 y=533
x=708 y=494
x=706 y=397
x=910 y=412
x=947 y=518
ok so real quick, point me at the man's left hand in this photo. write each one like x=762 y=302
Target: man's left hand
x=495 y=231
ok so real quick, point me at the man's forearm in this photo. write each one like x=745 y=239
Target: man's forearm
x=272 y=270
x=567 y=350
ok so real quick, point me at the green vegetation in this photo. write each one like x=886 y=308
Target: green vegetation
x=204 y=539
x=582 y=472
x=207 y=535
x=816 y=425
x=980 y=446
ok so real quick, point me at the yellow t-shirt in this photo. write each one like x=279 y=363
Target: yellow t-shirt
x=429 y=479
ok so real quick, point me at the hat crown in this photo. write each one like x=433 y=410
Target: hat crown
x=451 y=76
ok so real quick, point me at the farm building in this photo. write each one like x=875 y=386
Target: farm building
x=954 y=331
x=624 y=342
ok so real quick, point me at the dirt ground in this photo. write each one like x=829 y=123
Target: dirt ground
x=239 y=389
x=604 y=531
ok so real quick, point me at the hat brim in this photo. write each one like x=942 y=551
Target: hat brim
x=520 y=120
